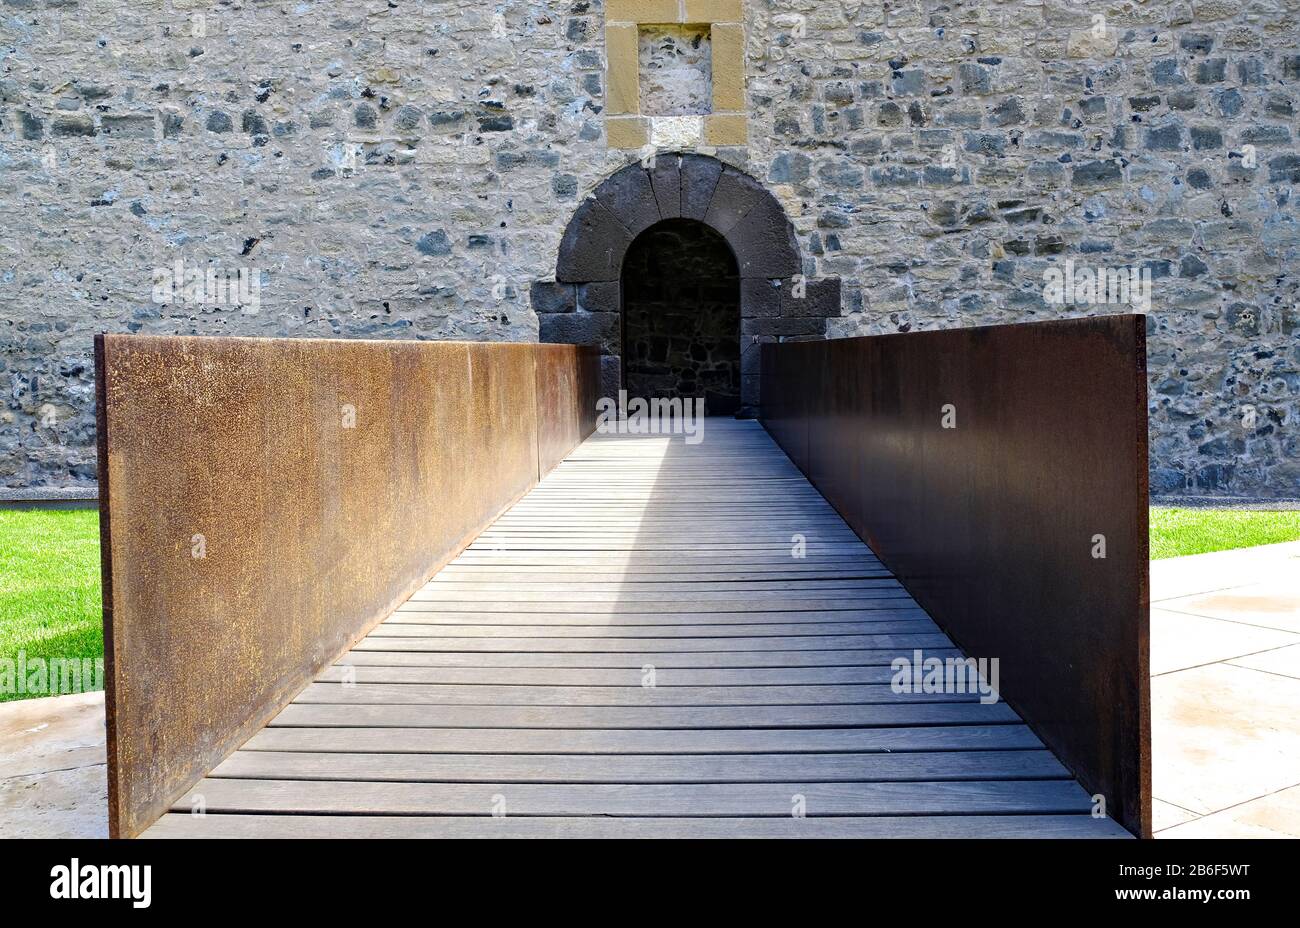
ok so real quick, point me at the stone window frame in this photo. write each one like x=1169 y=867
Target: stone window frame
x=626 y=127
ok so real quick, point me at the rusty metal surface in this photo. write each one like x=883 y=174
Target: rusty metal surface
x=564 y=371
x=991 y=525
x=265 y=502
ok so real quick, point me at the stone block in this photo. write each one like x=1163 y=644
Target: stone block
x=1164 y=138
x=724 y=130
x=764 y=241
x=666 y=181
x=548 y=296
x=751 y=357
x=821 y=299
x=714 y=11
x=728 y=68
x=1284 y=169
x=600 y=297
x=736 y=194
x=579 y=328
x=73 y=125
x=611 y=375
x=643 y=11
x=627 y=132
x=760 y=297
x=128 y=126
x=676 y=132
x=1097 y=174
x=629 y=197
x=220 y=122
x=699 y=176
x=172 y=123
x=623 y=84
x=593 y=245
x=1091 y=43
x=1266 y=135
x=783 y=327
x=31 y=128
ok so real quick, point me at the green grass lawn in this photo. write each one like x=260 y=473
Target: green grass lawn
x=49 y=570
x=1175 y=532
x=49 y=586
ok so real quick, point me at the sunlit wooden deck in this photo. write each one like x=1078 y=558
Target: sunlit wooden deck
x=633 y=650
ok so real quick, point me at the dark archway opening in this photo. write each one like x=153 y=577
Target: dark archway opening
x=681 y=316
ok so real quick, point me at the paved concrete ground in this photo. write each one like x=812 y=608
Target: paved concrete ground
x=52 y=773
x=1225 y=693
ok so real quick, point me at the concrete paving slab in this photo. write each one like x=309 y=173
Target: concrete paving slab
x=1226 y=727
x=1273 y=816
x=1195 y=574
x=1223 y=735
x=53 y=776
x=1284 y=661
x=1167 y=815
x=1180 y=640
x=54 y=733
x=1274 y=604
x=60 y=804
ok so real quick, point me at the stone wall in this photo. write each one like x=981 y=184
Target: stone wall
x=402 y=170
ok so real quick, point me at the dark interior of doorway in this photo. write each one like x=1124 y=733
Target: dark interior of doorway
x=681 y=316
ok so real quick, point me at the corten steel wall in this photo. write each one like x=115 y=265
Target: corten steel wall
x=990 y=525
x=265 y=502
x=561 y=422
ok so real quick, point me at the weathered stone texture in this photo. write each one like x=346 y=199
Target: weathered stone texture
x=676 y=69
x=408 y=170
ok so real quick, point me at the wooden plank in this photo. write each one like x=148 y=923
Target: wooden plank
x=599 y=520
x=491 y=695
x=678 y=799
x=737 y=549
x=539 y=589
x=862 y=620
x=638 y=659
x=608 y=676
x=869 y=591
x=184 y=825
x=414 y=624
x=645 y=604
x=643 y=741
x=654 y=717
x=666 y=645
x=648 y=574
x=657 y=560
x=694 y=560
x=752 y=538
x=642 y=768
x=757 y=580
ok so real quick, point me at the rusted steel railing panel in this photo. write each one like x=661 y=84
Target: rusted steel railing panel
x=265 y=502
x=1001 y=473
x=564 y=371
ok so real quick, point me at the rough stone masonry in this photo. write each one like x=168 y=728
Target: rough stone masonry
x=401 y=169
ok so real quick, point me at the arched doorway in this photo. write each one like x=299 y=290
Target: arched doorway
x=584 y=303
x=681 y=316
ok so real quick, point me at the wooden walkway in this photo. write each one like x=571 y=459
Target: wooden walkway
x=632 y=650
